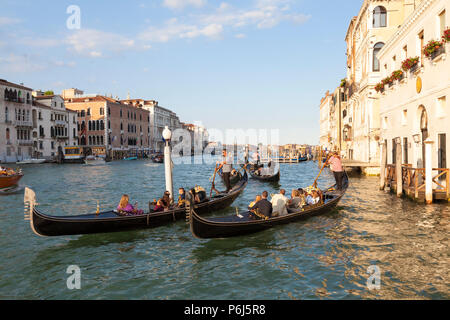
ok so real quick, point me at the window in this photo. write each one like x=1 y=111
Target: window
x=405 y=150
x=441 y=107
x=89 y=111
x=405 y=53
x=379 y=17
x=376 y=50
x=102 y=111
x=405 y=117
x=441 y=24
x=421 y=45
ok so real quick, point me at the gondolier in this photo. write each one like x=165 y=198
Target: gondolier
x=227 y=167
x=335 y=163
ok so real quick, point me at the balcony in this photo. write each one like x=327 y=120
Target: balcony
x=23 y=123
x=414 y=68
x=61 y=137
x=15 y=100
x=60 y=122
x=437 y=53
x=25 y=142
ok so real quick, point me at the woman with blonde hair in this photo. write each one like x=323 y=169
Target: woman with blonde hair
x=125 y=206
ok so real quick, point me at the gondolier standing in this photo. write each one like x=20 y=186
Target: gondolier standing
x=226 y=166
x=335 y=163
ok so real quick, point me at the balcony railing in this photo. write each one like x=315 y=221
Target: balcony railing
x=25 y=142
x=437 y=53
x=23 y=123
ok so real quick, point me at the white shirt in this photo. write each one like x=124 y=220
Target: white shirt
x=279 y=204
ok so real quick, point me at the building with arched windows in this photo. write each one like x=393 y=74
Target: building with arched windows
x=367 y=34
x=415 y=108
x=15 y=122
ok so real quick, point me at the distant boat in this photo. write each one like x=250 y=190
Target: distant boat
x=94 y=161
x=130 y=158
x=31 y=161
x=9 y=177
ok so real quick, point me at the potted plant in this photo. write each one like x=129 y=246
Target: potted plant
x=446 y=36
x=343 y=83
x=387 y=81
x=379 y=87
x=409 y=63
x=397 y=75
x=433 y=48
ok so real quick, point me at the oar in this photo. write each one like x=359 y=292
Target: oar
x=323 y=166
x=213 y=185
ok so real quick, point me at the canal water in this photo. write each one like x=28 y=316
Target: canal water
x=333 y=256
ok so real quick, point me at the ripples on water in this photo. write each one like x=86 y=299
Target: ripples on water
x=324 y=257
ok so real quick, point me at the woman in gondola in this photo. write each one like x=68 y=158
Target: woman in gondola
x=126 y=208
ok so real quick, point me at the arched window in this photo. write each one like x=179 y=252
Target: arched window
x=7 y=135
x=379 y=17
x=90 y=125
x=376 y=50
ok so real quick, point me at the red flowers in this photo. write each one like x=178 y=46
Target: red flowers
x=397 y=75
x=409 y=63
x=446 y=36
x=432 y=46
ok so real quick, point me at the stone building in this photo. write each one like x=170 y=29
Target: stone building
x=15 y=122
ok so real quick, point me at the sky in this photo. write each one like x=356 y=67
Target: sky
x=259 y=64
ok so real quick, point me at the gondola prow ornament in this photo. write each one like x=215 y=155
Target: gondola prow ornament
x=167 y=136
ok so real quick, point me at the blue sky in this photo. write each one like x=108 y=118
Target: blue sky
x=262 y=64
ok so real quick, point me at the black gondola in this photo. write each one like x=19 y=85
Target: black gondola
x=234 y=179
x=244 y=223
x=267 y=178
x=112 y=221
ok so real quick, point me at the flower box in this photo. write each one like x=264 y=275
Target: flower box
x=437 y=52
x=433 y=49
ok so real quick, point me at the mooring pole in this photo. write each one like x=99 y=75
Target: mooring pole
x=167 y=135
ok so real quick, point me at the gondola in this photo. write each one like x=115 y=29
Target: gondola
x=112 y=221
x=234 y=179
x=266 y=178
x=244 y=223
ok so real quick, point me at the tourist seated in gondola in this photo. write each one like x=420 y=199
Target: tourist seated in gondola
x=195 y=196
x=313 y=198
x=257 y=199
x=296 y=201
x=166 y=200
x=279 y=204
x=125 y=207
x=160 y=206
x=263 y=208
x=181 y=198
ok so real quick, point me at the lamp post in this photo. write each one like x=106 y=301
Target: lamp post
x=167 y=135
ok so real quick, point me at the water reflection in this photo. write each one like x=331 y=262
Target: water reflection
x=325 y=257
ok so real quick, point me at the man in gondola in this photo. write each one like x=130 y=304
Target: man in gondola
x=227 y=167
x=335 y=163
x=263 y=208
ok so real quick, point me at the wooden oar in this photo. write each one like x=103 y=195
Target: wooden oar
x=213 y=187
x=323 y=166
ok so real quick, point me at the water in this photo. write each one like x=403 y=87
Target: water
x=325 y=257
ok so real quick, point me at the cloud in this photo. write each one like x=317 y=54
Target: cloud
x=240 y=36
x=5 y=21
x=180 y=4
x=20 y=63
x=96 y=43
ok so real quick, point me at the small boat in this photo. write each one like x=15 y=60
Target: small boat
x=94 y=161
x=244 y=223
x=31 y=161
x=112 y=221
x=9 y=177
x=266 y=178
x=130 y=158
x=158 y=159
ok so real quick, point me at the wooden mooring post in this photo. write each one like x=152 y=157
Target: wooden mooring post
x=398 y=169
x=428 y=171
x=383 y=163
